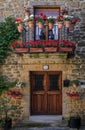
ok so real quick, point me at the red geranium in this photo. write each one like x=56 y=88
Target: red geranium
x=41 y=18
x=18 y=20
x=60 y=18
x=74 y=21
x=72 y=94
x=64 y=43
x=14 y=94
x=72 y=44
x=17 y=45
x=37 y=43
x=52 y=43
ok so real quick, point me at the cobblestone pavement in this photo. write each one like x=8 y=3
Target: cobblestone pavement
x=46 y=128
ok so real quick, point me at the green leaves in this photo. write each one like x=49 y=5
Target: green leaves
x=8 y=34
x=6 y=108
x=5 y=85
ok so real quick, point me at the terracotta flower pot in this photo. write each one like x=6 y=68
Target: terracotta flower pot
x=20 y=27
x=31 y=24
x=65 y=49
x=67 y=24
x=60 y=25
x=71 y=28
x=36 y=49
x=50 y=49
x=51 y=25
x=40 y=25
x=21 y=50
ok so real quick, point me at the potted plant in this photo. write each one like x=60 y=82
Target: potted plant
x=64 y=13
x=30 y=21
x=36 y=46
x=41 y=20
x=5 y=109
x=64 y=46
x=19 y=47
x=73 y=23
x=51 y=22
x=66 y=83
x=51 y=46
x=20 y=85
x=27 y=13
x=74 y=83
x=74 y=121
x=60 y=21
x=67 y=21
x=19 y=23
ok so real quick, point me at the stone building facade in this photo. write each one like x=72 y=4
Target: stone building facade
x=19 y=66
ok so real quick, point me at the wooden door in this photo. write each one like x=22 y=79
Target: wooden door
x=46 y=92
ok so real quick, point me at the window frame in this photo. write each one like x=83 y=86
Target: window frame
x=44 y=8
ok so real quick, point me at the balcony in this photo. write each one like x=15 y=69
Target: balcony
x=50 y=37
x=40 y=46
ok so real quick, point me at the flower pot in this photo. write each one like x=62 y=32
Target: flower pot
x=60 y=25
x=31 y=24
x=67 y=24
x=20 y=27
x=75 y=122
x=66 y=83
x=71 y=28
x=65 y=49
x=40 y=25
x=36 y=49
x=50 y=49
x=8 y=124
x=74 y=85
x=51 y=25
x=1 y=128
x=21 y=50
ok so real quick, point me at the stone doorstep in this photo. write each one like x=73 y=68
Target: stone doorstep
x=44 y=121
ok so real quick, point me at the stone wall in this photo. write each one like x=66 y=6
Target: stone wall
x=13 y=8
x=19 y=66
x=77 y=8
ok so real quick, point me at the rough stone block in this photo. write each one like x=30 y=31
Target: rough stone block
x=81 y=44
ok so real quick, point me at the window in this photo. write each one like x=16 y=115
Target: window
x=38 y=82
x=48 y=11
x=54 y=82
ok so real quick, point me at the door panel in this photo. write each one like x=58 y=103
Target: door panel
x=46 y=92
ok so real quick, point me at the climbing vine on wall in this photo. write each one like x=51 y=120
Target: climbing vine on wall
x=5 y=84
x=8 y=34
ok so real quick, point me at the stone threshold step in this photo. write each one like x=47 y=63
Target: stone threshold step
x=41 y=124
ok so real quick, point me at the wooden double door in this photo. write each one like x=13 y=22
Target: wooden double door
x=46 y=92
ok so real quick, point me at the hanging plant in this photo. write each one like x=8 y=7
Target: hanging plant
x=75 y=83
